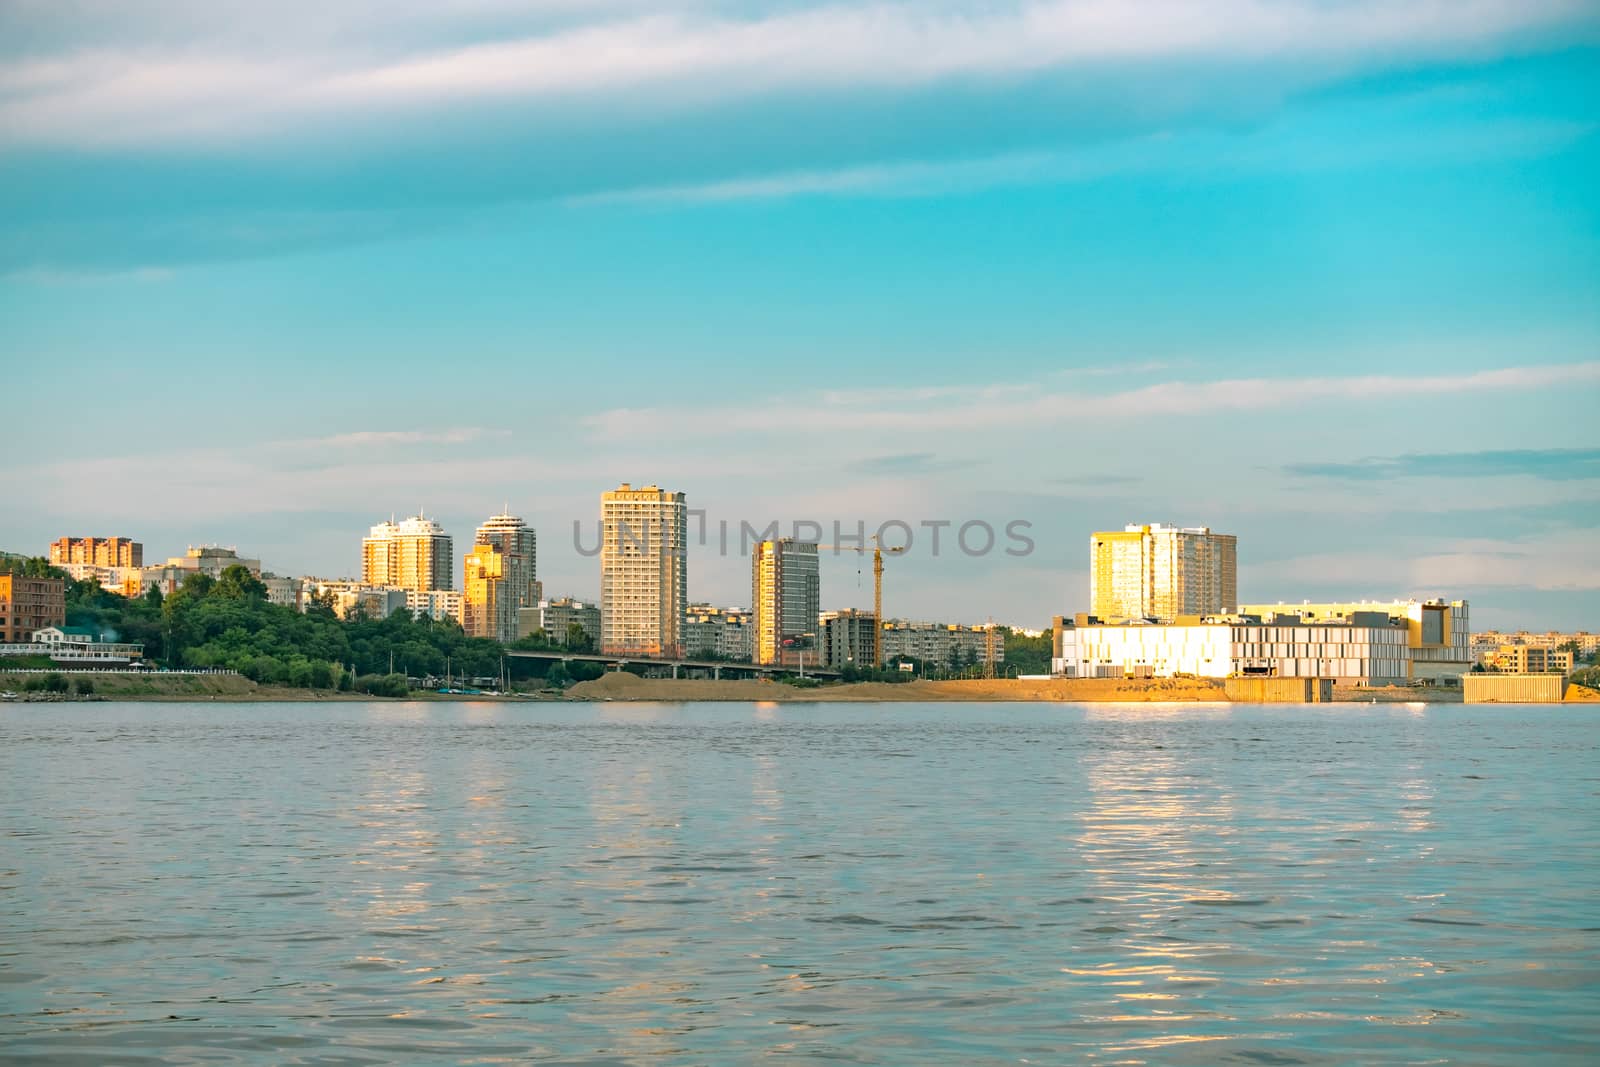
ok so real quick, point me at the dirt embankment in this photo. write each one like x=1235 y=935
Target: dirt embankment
x=178 y=687
x=1582 y=694
x=622 y=686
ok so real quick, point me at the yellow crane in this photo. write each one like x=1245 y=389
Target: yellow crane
x=878 y=552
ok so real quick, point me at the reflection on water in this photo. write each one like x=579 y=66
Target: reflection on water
x=713 y=884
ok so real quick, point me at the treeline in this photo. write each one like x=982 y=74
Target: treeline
x=227 y=622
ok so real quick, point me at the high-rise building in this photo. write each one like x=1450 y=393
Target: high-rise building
x=488 y=605
x=520 y=546
x=1161 y=572
x=785 y=588
x=643 y=571
x=98 y=551
x=415 y=554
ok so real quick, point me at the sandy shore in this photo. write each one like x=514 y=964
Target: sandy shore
x=623 y=686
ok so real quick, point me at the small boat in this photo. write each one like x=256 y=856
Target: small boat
x=8 y=696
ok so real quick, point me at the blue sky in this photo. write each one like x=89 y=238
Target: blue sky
x=1324 y=275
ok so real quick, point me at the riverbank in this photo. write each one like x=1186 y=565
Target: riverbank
x=623 y=686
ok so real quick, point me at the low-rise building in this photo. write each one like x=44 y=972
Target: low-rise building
x=209 y=560
x=1586 y=644
x=436 y=604
x=556 y=617
x=1438 y=633
x=29 y=604
x=287 y=592
x=124 y=581
x=946 y=644
x=1357 y=644
x=84 y=645
x=1529 y=659
x=721 y=633
x=352 y=599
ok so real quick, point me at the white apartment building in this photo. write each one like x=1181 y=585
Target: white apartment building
x=643 y=571
x=436 y=604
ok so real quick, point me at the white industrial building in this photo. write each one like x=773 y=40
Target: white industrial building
x=1365 y=644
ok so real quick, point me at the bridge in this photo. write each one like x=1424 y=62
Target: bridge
x=715 y=666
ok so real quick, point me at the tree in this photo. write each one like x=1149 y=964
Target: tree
x=578 y=639
x=84 y=686
x=557 y=676
x=238 y=583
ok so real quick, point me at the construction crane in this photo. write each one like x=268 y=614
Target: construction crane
x=878 y=552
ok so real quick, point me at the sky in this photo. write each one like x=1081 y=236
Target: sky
x=1324 y=274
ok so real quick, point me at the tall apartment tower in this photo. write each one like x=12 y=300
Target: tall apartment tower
x=488 y=601
x=98 y=551
x=520 y=545
x=415 y=555
x=643 y=571
x=785 y=585
x=1161 y=572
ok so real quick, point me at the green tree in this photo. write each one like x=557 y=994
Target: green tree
x=238 y=583
x=578 y=639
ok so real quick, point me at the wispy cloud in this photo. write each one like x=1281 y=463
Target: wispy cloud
x=370 y=438
x=944 y=409
x=171 y=86
x=58 y=276
x=1264 y=150
x=1555 y=464
x=908 y=464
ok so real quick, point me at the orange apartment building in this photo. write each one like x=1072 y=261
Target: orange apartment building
x=29 y=604
x=97 y=551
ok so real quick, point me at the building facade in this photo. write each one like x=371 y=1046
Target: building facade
x=414 y=555
x=209 y=560
x=519 y=545
x=488 y=603
x=437 y=604
x=643 y=571
x=98 y=551
x=556 y=618
x=1586 y=644
x=1355 y=644
x=30 y=604
x=785 y=587
x=287 y=592
x=1161 y=572
x=847 y=638
x=720 y=633
x=1438 y=633
x=945 y=644
x=1529 y=659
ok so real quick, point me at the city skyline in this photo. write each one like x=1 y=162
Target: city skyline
x=1321 y=275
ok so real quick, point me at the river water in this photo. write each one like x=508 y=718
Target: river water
x=710 y=884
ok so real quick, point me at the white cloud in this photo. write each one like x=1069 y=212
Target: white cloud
x=188 y=78
x=937 y=409
x=367 y=438
x=1563 y=560
x=1264 y=150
